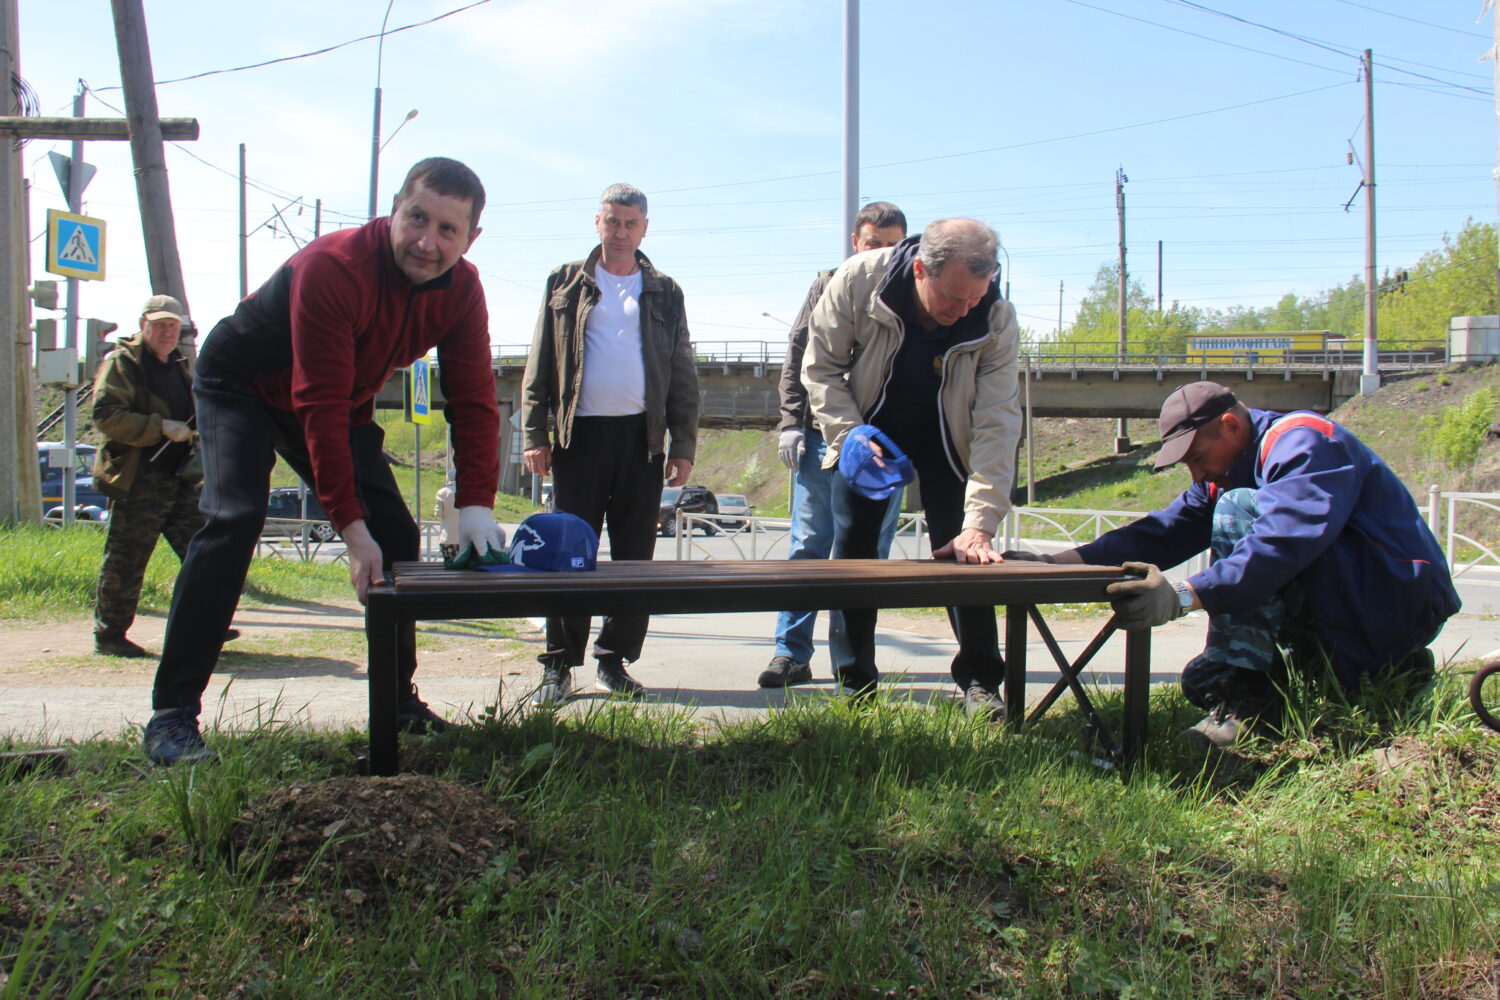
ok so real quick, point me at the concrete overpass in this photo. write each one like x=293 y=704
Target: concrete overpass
x=738 y=380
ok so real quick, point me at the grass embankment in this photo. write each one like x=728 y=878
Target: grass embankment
x=899 y=851
x=47 y=574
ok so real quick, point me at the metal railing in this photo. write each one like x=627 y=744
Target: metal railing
x=1466 y=512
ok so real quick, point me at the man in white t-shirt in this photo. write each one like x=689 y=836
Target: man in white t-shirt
x=611 y=365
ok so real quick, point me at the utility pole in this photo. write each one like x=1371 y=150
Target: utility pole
x=318 y=218
x=1494 y=56
x=1059 y=307
x=11 y=312
x=1158 y=275
x=1370 y=380
x=1122 y=430
x=149 y=156
x=244 y=237
x=851 y=123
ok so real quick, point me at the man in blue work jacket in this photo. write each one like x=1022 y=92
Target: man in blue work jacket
x=1317 y=546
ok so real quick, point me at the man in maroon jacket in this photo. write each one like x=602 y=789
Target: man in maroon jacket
x=294 y=372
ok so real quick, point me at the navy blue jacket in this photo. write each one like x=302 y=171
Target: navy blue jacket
x=1333 y=517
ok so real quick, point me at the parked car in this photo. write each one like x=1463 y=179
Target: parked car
x=286 y=503
x=689 y=500
x=88 y=502
x=733 y=503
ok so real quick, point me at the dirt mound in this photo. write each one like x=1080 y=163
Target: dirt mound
x=357 y=840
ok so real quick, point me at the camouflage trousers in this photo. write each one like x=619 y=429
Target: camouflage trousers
x=159 y=505
x=1241 y=664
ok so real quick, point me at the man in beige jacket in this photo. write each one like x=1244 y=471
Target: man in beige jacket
x=918 y=341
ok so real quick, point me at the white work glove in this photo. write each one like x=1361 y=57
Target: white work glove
x=446 y=512
x=790 y=448
x=477 y=527
x=177 y=430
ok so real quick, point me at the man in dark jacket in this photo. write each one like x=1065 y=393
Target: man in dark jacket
x=143 y=405
x=294 y=372
x=1317 y=546
x=611 y=367
x=877 y=226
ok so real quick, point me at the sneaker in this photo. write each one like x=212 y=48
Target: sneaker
x=113 y=643
x=857 y=686
x=981 y=701
x=1218 y=730
x=231 y=634
x=614 y=680
x=557 y=685
x=172 y=736
x=413 y=716
x=784 y=672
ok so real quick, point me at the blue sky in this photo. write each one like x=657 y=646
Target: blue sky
x=728 y=113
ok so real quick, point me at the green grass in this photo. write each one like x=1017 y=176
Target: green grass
x=824 y=852
x=47 y=574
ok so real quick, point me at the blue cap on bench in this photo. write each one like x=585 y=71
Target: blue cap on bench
x=858 y=465
x=555 y=542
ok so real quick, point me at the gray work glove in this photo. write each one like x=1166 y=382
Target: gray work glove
x=790 y=448
x=1143 y=604
x=1017 y=555
x=177 y=430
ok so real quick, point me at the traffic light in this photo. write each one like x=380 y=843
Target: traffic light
x=97 y=330
x=44 y=294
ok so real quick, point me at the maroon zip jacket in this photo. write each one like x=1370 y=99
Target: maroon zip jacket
x=322 y=336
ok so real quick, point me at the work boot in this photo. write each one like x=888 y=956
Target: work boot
x=557 y=685
x=614 y=680
x=231 y=634
x=172 y=736
x=785 y=672
x=112 y=642
x=981 y=701
x=1218 y=730
x=413 y=716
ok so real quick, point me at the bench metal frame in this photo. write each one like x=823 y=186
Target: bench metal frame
x=427 y=592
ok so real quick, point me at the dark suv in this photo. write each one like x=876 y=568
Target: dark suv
x=689 y=500
x=286 y=504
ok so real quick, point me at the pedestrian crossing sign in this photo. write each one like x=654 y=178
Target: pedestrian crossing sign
x=75 y=245
x=419 y=392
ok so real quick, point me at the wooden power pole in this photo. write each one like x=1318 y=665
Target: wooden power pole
x=149 y=156
x=1122 y=431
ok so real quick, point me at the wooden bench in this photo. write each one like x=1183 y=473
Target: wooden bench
x=428 y=592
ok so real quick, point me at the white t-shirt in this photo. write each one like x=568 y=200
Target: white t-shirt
x=614 y=370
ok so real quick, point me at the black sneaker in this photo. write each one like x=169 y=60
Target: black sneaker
x=614 y=680
x=111 y=643
x=172 y=736
x=858 y=686
x=981 y=701
x=556 y=687
x=413 y=716
x=231 y=634
x=784 y=672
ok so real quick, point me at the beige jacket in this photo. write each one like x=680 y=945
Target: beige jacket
x=852 y=342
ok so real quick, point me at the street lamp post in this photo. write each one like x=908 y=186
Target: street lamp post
x=375 y=124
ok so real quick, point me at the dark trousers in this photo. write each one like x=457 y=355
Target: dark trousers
x=604 y=475
x=240 y=437
x=159 y=505
x=856 y=527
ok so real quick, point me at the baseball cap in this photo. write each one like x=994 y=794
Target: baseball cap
x=875 y=480
x=551 y=542
x=163 y=307
x=1186 y=410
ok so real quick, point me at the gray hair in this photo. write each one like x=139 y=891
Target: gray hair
x=623 y=194
x=968 y=241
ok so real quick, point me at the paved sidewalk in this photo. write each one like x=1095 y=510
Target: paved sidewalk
x=707 y=663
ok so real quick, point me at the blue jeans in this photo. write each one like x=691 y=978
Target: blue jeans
x=812 y=538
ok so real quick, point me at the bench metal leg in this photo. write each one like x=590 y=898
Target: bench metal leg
x=381 y=629
x=1137 y=694
x=1015 y=664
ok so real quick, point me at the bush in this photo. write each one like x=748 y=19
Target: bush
x=1457 y=436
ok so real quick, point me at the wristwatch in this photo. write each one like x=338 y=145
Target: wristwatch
x=1184 y=599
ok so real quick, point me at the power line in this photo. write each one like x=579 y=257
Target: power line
x=318 y=52
x=1413 y=20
